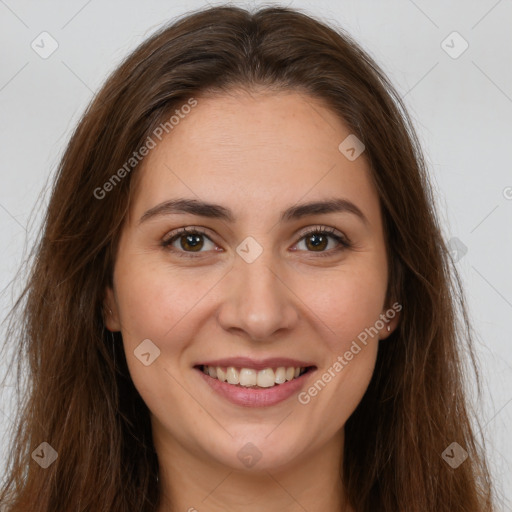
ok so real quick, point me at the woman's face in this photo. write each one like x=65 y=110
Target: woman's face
x=250 y=293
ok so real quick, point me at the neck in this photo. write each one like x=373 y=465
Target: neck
x=192 y=483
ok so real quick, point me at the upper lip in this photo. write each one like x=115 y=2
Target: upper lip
x=256 y=364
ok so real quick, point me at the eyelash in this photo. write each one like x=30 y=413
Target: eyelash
x=344 y=243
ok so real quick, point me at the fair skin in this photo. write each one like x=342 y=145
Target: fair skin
x=256 y=155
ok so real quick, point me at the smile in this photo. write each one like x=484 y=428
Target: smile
x=250 y=378
x=250 y=383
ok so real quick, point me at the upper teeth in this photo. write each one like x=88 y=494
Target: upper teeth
x=248 y=377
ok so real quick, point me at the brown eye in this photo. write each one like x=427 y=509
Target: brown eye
x=191 y=242
x=186 y=241
x=318 y=240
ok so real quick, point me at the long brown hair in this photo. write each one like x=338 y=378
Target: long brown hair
x=78 y=395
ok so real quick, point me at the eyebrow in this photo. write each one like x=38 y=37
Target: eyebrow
x=216 y=211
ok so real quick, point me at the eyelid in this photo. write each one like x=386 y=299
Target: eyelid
x=186 y=230
x=324 y=229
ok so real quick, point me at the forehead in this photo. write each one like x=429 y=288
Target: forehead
x=251 y=151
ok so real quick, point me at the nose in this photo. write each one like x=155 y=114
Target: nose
x=259 y=302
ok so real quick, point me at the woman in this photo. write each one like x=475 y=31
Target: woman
x=241 y=296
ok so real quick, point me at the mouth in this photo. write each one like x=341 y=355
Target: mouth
x=252 y=378
x=249 y=383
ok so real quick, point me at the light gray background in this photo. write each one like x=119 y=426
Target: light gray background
x=462 y=109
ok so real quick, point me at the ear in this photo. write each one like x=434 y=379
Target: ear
x=110 y=312
x=390 y=318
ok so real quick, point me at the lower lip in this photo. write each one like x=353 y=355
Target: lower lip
x=256 y=397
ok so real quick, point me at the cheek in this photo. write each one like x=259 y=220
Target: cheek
x=166 y=306
x=156 y=304
x=155 y=300
x=348 y=302
x=350 y=307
